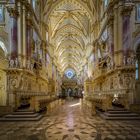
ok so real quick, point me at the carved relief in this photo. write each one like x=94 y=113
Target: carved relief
x=13 y=82
x=111 y=83
x=129 y=60
x=115 y=83
x=2 y=88
x=120 y=81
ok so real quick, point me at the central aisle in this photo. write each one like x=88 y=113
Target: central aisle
x=69 y=123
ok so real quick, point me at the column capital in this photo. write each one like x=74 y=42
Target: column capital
x=12 y=12
x=110 y=20
x=43 y=43
x=138 y=56
x=127 y=9
x=29 y=20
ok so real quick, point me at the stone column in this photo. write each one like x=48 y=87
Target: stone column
x=115 y=34
x=139 y=69
x=29 y=1
x=138 y=57
x=19 y=24
x=138 y=80
x=126 y=34
x=29 y=38
x=50 y=69
x=46 y=61
x=118 y=50
x=96 y=54
x=24 y=34
x=13 y=33
x=44 y=53
x=137 y=86
x=111 y=38
x=41 y=53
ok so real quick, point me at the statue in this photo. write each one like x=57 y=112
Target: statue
x=133 y=60
x=16 y=63
x=129 y=60
x=20 y=63
x=28 y=64
x=11 y=63
x=120 y=79
x=124 y=60
x=32 y=66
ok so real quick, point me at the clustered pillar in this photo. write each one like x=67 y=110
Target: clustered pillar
x=111 y=37
x=138 y=61
x=29 y=38
x=24 y=35
x=119 y=50
x=13 y=34
x=19 y=34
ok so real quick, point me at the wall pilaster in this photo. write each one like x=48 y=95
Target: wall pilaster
x=24 y=34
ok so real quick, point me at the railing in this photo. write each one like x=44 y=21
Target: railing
x=30 y=64
x=31 y=93
x=111 y=92
x=129 y=61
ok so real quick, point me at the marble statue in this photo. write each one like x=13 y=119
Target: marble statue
x=124 y=60
x=16 y=63
x=11 y=63
x=28 y=64
x=32 y=66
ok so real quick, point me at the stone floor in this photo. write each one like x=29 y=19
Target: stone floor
x=70 y=122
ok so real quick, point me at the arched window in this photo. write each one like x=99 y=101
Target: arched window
x=99 y=54
x=137 y=70
x=138 y=12
x=2 y=14
x=2 y=46
x=34 y=4
x=137 y=63
x=105 y=3
x=69 y=73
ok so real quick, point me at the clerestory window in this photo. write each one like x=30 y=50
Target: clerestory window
x=106 y=3
x=2 y=16
x=137 y=70
x=138 y=12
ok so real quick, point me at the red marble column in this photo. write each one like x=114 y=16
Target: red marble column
x=126 y=34
x=110 y=39
x=13 y=34
x=28 y=42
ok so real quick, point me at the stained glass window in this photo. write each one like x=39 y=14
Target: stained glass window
x=138 y=12
x=1 y=14
x=137 y=70
x=3 y=47
x=34 y=3
x=69 y=73
x=105 y=3
x=12 y=1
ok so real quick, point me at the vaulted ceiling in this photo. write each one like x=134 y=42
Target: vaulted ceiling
x=70 y=25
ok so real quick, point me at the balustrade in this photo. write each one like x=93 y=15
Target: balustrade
x=103 y=100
